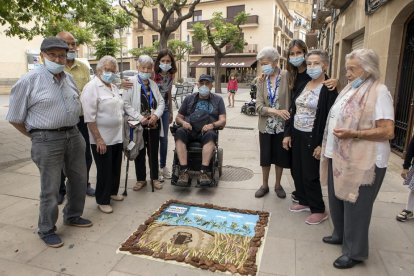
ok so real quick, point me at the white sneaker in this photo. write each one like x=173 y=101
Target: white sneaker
x=166 y=173
x=105 y=209
x=117 y=197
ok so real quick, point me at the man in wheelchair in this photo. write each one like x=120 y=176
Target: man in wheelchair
x=200 y=116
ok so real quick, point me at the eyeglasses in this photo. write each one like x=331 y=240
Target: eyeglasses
x=55 y=56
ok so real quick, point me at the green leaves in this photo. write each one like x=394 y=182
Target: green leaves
x=179 y=48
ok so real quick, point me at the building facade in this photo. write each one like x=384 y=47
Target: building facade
x=387 y=27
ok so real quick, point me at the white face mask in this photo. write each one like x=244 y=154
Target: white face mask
x=204 y=90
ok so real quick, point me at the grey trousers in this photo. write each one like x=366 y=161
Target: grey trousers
x=351 y=220
x=53 y=151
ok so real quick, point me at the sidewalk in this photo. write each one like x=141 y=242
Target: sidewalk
x=291 y=246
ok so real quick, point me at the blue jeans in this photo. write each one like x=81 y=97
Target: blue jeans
x=53 y=151
x=164 y=140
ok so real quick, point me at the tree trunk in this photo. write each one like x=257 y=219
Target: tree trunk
x=163 y=40
x=217 y=78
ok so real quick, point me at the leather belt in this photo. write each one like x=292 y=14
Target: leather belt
x=55 y=129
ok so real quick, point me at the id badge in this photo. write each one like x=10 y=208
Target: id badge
x=131 y=145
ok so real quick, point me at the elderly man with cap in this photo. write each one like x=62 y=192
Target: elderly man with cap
x=80 y=74
x=44 y=105
x=199 y=115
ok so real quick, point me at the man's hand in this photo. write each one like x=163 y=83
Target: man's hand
x=187 y=126
x=404 y=173
x=207 y=128
x=126 y=84
x=287 y=143
x=100 y=146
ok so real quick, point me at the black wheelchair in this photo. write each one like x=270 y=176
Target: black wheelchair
x=194 y=160
x=249 y=108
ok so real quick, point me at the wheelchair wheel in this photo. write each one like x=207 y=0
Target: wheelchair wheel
x=251 y=111
x=220 y=161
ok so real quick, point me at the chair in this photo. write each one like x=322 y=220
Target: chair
x=181 y=92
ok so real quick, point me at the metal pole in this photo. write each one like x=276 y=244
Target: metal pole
x=122 y=62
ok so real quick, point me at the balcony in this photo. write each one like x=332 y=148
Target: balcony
x=279 y=24
x=252 y=20
x=319 y=21
x=279 y=50
x=336 y=4
x=209 y=51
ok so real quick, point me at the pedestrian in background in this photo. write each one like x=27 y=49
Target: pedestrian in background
x=304 y=132
x=103 y=109
x=408 y=175
x=44 y=105
x=80 y=74
x=144 y=103
x=355 y=153
x=165 y=69
x=232 y=87
x=272 y=103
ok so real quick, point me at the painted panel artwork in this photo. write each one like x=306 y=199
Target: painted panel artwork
x=205 y=236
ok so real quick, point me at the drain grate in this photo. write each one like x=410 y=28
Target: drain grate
x=237 y=127
x=233 y=174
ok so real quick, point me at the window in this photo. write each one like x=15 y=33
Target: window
x=232 y=11
x=196 y=46
x=197 y=16
x=154 y=38
x=140 y=25
x=155 y=16
x=140 y=42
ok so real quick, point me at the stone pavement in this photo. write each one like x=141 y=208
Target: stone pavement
x=291 y=246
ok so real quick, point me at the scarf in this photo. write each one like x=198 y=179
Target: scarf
x=353 y=160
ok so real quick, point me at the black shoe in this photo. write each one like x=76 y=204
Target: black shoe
x=61 y=198
x=345 y=262
x=79 y=222
x=261 y=192
x=330 y=240
x=90 y=191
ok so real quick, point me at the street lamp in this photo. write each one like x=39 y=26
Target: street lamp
x=121 y=74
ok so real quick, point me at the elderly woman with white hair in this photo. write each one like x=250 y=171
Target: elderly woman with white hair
x=272 y=103
x=103 y=110
x=144 y=103
x=355 y=152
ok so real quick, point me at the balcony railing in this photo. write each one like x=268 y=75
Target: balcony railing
x=336 y=4
x=290 y=34
x=279 y=50
x=251 y=19
x=208 y=50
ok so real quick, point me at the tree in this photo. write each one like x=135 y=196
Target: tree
x=224 y=37
x=169 y=9
x=54 y=25
x=28 y=18
x=150 y=50
x=179 y=49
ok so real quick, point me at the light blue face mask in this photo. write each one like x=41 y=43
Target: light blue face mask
x=70 y=55
x=314 y=72
x=53 y=67
x=297 y=61
x=267 y=69
x=204 y=90
x=108 y=77
x=144 y=76
x=357 y=82
x=165 y=67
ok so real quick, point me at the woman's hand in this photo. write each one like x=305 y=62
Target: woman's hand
x=282 y=113
x=404 y=173
x=100 y=146
x=331 y=84
x=317 y=153
x=343 y=133
x=153 y=120
x=287 y=143
x=144 y=121
x=126 y=84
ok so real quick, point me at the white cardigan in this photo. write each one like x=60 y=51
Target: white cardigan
x=132 y=101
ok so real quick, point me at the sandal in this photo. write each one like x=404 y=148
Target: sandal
x=404 y=215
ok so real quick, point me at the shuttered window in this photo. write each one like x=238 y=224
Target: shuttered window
x=358 y=42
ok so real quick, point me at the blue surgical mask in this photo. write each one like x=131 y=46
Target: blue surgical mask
x=144 y=76
x=357 y=82
x=297 y=61
x=165 y=67
x=70 y=55
x=108 y=77
x=53 y=67
x=267 y=69
x=314 y=72
x=204 y=90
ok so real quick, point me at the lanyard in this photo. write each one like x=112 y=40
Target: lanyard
x=145 y=90
x=273 y=94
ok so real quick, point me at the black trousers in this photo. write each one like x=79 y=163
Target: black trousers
x=108 y=170
x=351 y=220
x=151 y=145
x=305 y=172
x=83 y=129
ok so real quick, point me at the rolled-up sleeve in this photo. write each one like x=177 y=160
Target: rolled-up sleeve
x=129 y=110
x=89 y=99
x=384 y=107
x=18 y=105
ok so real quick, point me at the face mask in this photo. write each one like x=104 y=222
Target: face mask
x=71 y=55
x=204 y=90
x=296 y=61
x=165 y=67
x=144 y=76
x=53 y=67
x=357 y=82
x=267 y=69
x=315 y=72
x=108 y=77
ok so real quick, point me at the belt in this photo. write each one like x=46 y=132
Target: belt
x=55 y=129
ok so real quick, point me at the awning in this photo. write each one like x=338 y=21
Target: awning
x=225 y=62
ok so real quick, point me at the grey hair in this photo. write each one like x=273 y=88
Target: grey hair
x=106 y=60
x=145 y=59
x=269 y=53
x=368 y=60
x=321 y=53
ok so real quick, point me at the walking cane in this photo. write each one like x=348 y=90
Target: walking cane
x=150 y=157
x=125 y=193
